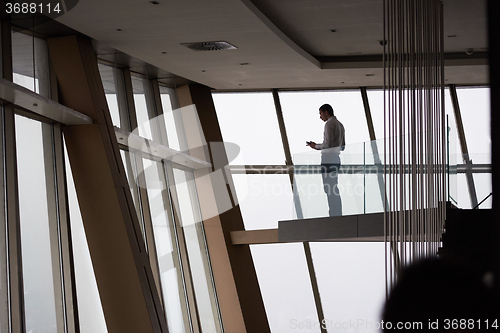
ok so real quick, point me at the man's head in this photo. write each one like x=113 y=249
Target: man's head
x=325 y=111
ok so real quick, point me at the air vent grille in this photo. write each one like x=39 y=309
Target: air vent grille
x=210 y=46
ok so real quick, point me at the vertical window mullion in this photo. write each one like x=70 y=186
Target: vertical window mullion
x=159 y=121
x=122 y=98
x=131 y=125
x=153 y=105
x=14 y=263
x=66 y=247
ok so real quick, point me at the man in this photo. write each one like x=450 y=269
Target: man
x=333 y=143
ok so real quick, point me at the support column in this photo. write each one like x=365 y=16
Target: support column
x=238 y=291
x=124 y=278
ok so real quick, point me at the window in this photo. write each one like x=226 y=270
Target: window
x=194 y=236
x=143 y=107
x=272 y=194
x=301 y=114
x=351 y=280
x=112 y=81
x=173 y=119
x=249 y=120
x=39 y=230
x=30 y=63
x=286 y=287
x=170 y=271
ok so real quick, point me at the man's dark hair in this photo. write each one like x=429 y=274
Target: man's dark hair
x=328 y=108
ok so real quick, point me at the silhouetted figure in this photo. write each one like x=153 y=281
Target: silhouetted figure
x=333 y=143
x=444 y=296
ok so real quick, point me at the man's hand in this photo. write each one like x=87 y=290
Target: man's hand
x=312 y=144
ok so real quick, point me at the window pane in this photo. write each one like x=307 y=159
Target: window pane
x=346 y=188
x=166 y=248
x=108 y=77
x=351 y=281
x=462 y=196
x=249 y=120
x=30 y=63
x=169 y=104
x=286 y=287
x=475 y=112
x=482 y=181
x=376 y=101
x=139 y=86
x=301 y=114
x=90 y=313
x=475 y=109
x=264 y=200
x=42 y=289
x=197 y=251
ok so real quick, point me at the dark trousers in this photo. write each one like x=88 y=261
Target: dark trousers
x=330 y=186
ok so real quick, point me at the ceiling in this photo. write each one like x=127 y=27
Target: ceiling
x=280 y=43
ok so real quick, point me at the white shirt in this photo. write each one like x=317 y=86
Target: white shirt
x=333 y=135
x=333 y=141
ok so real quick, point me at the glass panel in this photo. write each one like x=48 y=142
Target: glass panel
x=376 y=100
x=139 y=87
x=331 y=190
x=108 y=77
x=475 y=110
x=249 y=120
x=482 y=181
x=30 y=63
x=264 y=200
x=39 y=240
x=90 y=312
x=301 y=114
x=351 y=281
x=286 y=287
x=463 y=197
x=374 y=185
x=171 y=118
x=197 y=251
x=166 y=248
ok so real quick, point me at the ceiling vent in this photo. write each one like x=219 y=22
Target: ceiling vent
x=210 y=46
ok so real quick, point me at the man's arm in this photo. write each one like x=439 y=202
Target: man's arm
x=313 y=145
x=327 y=134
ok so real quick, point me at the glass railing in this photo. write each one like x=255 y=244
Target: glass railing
x=353 y=176
x=350 y=182
x=460 y=172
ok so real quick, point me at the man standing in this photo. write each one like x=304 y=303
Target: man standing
x=333 y=143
